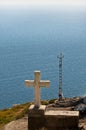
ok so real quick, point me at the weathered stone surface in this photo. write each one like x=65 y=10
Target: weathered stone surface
x=61 y=119
x=36 y=123
x=36 y=118
x=51 y=119
x=20 y=124
x=36 y=111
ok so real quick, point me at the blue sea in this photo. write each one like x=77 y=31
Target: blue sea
x=31 y=40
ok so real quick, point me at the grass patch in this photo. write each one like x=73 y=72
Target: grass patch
x=13 y=113
x=17 y=112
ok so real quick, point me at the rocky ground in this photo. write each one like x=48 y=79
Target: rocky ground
x=22 y=124
x=69 y=104
x=82 y=123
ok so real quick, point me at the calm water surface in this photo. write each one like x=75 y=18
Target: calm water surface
x=31 y=41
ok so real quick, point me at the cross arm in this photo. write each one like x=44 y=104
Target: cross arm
x=29 y=83
x=45 y=83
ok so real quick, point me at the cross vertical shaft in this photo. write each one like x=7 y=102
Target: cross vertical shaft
x=37 y=88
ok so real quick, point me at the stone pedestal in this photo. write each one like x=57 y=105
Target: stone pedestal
x=39 y=118
x=36 y=118
x=61 y=119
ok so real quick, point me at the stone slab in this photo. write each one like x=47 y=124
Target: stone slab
x=61 y=113
x=64 y=119
x=36 y=111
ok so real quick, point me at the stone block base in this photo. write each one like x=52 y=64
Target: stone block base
x=36 y=118
x=61 y=119
x=36 y=111
x=59 y=128
x=35 y=123
x=51 y=119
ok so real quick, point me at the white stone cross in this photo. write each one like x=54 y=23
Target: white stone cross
x=37 y=83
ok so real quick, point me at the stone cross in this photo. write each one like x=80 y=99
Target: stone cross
x=37 y=83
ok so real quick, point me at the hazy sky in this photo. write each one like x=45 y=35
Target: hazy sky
x=36 y=3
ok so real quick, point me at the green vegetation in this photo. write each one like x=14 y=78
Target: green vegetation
x=13 y=113
x=17 y=112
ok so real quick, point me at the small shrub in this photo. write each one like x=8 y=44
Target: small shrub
x=52 y=101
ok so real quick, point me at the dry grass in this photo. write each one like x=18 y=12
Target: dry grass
x=13 y=113
x=16 y=112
